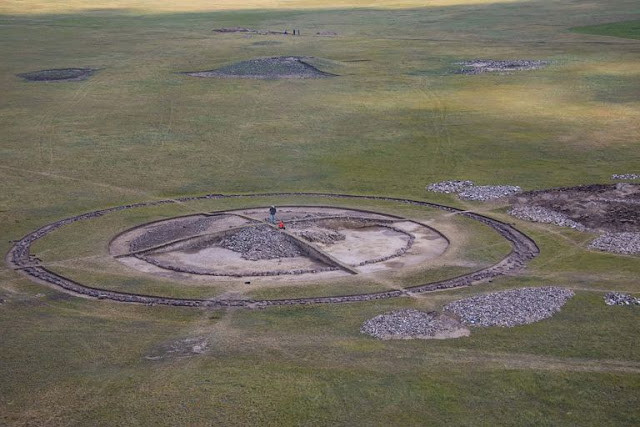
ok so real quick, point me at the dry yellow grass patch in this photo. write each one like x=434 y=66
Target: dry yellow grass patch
x=22 y=7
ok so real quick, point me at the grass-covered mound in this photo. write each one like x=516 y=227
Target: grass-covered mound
x=58 y=74
x=282 y=67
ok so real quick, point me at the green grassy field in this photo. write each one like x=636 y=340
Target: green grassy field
x=396 y=119
x=627 y=29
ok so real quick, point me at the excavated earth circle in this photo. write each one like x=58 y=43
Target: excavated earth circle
x=242 y=243
x=19 y=257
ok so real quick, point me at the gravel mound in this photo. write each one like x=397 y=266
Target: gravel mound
x=449 y=187
x=488 y=192
x=283 y=67
x=510 y=308
x=625 y=176
x=620 y=243
x=412 y=324
x=618 y=298
x=58 y=75
x=479 y=66
x=544 y=215
x=256 y=243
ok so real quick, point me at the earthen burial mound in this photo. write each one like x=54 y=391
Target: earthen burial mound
x=282 y=67
x=58 y=75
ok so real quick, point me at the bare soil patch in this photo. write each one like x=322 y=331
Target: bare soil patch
x=603 y=208
x=282 y=67
x=58 y=75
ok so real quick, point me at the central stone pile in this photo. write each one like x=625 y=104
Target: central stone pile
x=261 y=242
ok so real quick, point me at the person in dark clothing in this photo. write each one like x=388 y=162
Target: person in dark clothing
x=272 y=214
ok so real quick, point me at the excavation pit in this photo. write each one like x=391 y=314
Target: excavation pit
x=242 y=243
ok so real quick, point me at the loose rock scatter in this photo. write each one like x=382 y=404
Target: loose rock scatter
x=251 y=31
x=449 y=187
x=627 y=243
x=488 y=192
x=282 y=67
x=412 y=324
x=58 y=75
x=179 y=349
x=544 y=215
x=510 y=308
x=625 y=176
x=479 y=66
x=261 y=242
x=467 y=190
x=618 y=298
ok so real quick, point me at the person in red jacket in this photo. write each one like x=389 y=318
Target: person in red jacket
x=281 y=225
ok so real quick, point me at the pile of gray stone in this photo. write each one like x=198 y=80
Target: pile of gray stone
x=467 y=190
x=261 y=242
x=510 y=308
x=627 y=243
x=488 y=192
x=618 y=298
x=544 y=215
x=412 y=324
x=449 y=187
x=625 y=176
x=479 y=66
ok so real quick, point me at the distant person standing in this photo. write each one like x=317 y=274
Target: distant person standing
x=272 y=214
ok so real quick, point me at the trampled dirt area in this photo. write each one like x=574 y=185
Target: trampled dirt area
x=244 y=244
x=598 y=207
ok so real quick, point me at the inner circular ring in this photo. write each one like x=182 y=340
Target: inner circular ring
x=311 y=240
